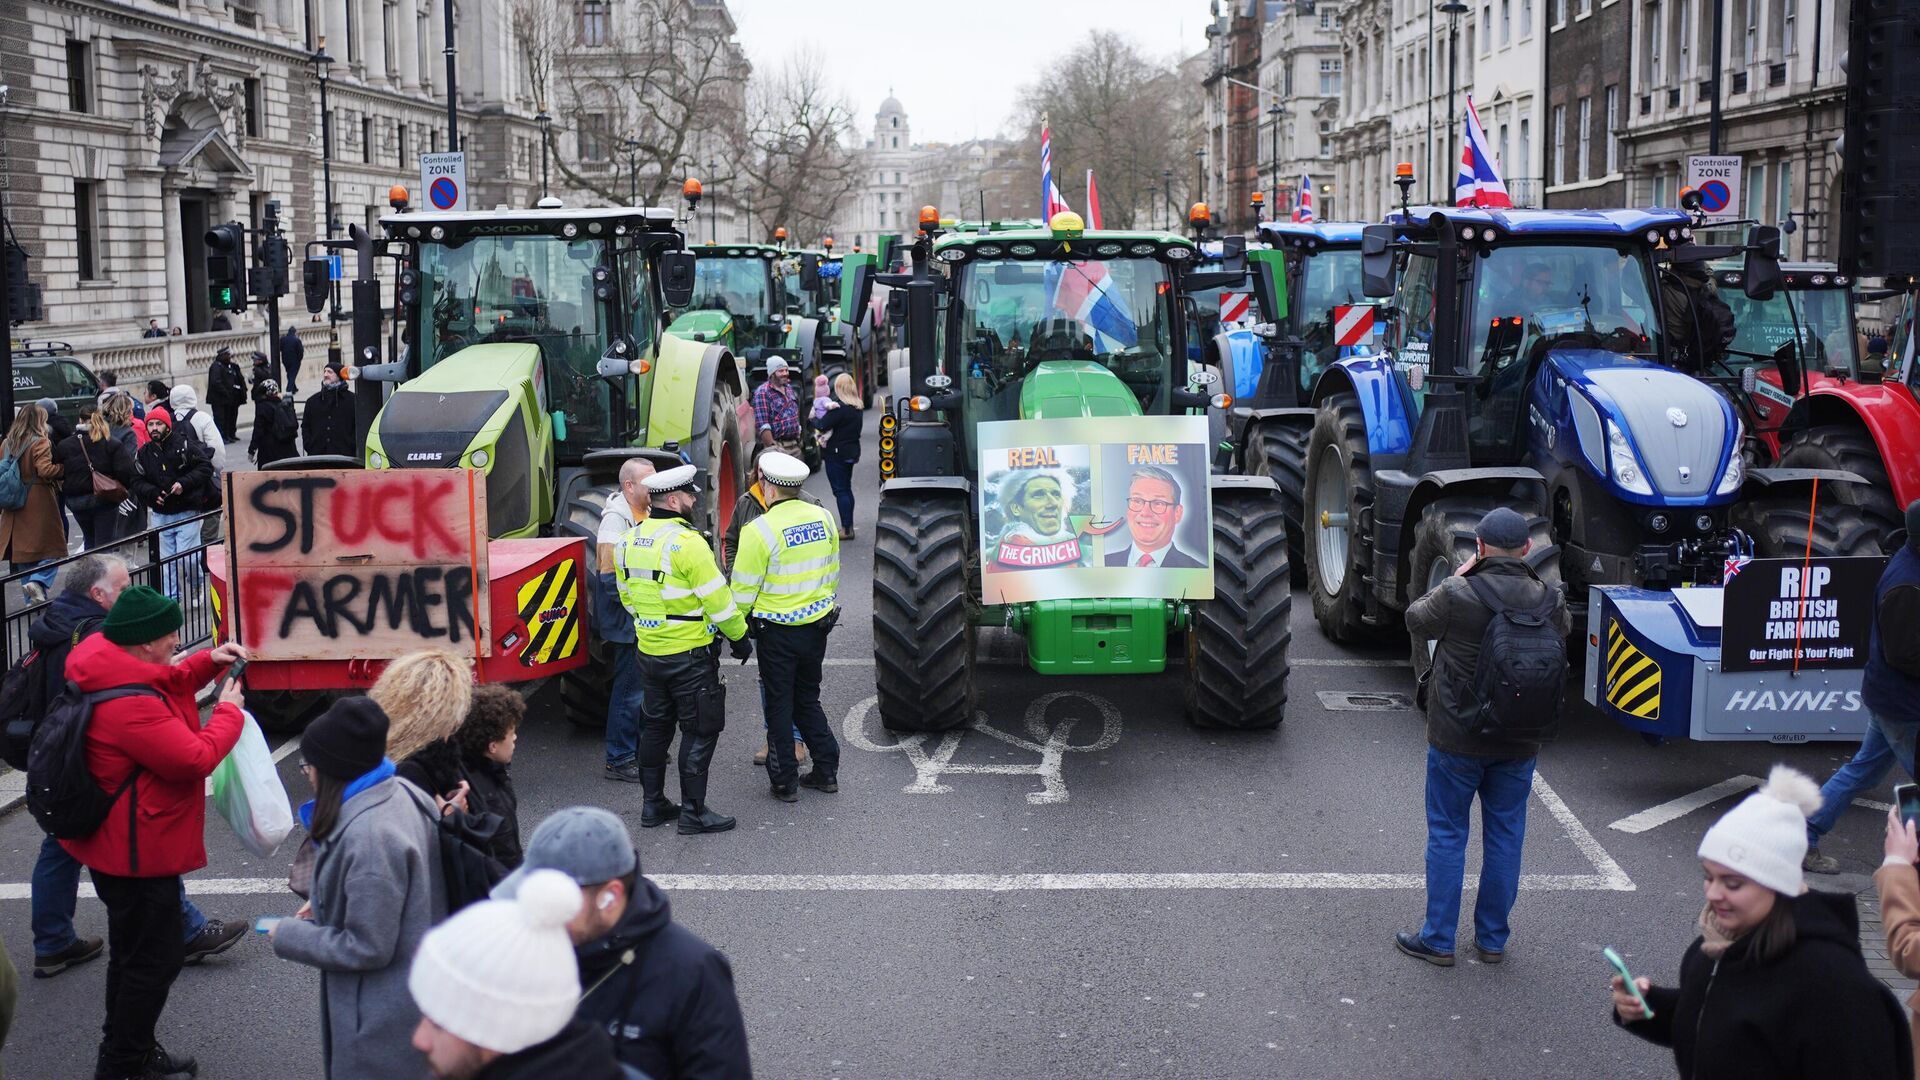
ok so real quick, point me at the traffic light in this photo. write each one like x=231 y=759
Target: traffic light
x=225 y=259
x=23 y=296
x=268 y=280
x=316 y=281
x=1880 y=192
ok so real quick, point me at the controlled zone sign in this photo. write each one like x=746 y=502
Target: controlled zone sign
x=345 y=565
x=443 y=179
x=1088 y=508
x=1717 y=179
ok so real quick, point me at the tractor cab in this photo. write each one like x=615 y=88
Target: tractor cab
x=741 y=298
x=1803 y=333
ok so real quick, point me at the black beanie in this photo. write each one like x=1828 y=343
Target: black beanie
x=348 y=740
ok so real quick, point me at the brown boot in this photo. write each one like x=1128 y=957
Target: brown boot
x=800 y=752
x=760 y=757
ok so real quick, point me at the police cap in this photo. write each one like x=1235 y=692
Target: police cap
x=784 y=470
x=678 y=478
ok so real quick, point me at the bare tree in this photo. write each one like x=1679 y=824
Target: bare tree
x=798 y=164
x=638 y=89
x=1129 y=117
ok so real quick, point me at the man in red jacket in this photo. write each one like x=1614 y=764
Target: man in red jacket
x=156 y=830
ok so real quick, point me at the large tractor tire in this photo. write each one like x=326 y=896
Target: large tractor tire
x=1237 y=645
x=726 y=463
x=1444 y=539
x=1279 y=452
x=1778 y=526
x=586 y=690
x=923 y=633
x=1837 y=446
x=1339 y=553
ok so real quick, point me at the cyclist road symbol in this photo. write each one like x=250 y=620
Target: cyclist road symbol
x=1051 y=741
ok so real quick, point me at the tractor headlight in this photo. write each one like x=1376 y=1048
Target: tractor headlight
x=1737 y=466
x=1624 y=466
x=478 y=459
x=376 y=460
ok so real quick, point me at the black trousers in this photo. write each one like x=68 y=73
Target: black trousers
x=146 y=948
x=670 y=688
x=292 y=366
x=226 y=417
x=790 y=659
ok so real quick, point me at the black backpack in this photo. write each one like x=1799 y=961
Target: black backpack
x=61 y=792
x=24 y=693
x=468 y=870
x=1522 y=669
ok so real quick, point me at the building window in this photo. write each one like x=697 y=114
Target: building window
x=1500 y=158
x=245 y=15
x=1559 y=170
x=1651 y=46
x=592 y=27
x=1756 y=207
x=1586 y=137
x=1750 y=41
x=595 y=142
x=1524 y=161
x=366 y=139
x=1330 y=77
x=1613 y=128
x=400 y=144
x=254 y=103
x=1783 y=22
x=86 y=228
x=1682 y=48
x=1506 y=23
x=1783 y=200
x=1326 y=18
x=79 y=76
x=1559 y=12
x=1586 y=7
x=1526 y=17
x=353 y=32
x=896 y=179
x=1486 y=20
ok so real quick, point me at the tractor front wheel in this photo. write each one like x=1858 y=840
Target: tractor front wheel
x=1850 y=449
x=1279 y=452
x=1338 y=507
x=725 y=466
x=1444 y=539
x=1780 y=530
x=1237 y=645
x=923 y=634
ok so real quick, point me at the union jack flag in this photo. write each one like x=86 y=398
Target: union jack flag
x=1479 y=182
x=1084 y=291
x=1303 y=209
x=1732 y=567
x=1051 y=201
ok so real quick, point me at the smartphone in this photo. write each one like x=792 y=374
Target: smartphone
x=1626 y=976
x=264 y=924
x=235 y=670
x=1907 y=798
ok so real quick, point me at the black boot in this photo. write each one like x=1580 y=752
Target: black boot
x=695 y=817
x=657 y=808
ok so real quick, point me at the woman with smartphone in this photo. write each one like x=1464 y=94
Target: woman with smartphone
x=1899 y=887
x=1775 y=985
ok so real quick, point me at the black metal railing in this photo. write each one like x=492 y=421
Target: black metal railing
x=181 y=574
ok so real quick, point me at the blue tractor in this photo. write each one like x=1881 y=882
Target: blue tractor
x=1525 y=365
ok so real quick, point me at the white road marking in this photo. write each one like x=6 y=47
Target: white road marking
x=1609 y=873
x=1342 y=661
x=1870 y=804
x=1051 y=743
x=1305 y=661
x=1673 y=809
x=281 y=752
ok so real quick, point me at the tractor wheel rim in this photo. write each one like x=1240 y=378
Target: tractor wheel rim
x=1329 y=498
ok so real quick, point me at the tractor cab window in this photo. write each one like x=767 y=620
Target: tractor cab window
x=535 y=289
x=1013 y=315
x=1411 y=334
x=1327 y=280
x=1824 y=318
x=739 y=285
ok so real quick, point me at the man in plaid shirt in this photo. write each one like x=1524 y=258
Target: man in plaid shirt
x=776 y=412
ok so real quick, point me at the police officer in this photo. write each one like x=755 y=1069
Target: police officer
x=669 y=582
x=784 y=578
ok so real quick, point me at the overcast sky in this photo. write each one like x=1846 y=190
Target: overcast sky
x=956 y=65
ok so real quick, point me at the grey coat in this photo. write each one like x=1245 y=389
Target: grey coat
x=385 y=855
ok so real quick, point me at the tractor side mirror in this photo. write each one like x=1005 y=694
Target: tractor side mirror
x=809 y=272
x=1233 y=252
x=676 y=278
x=316 y=273
x=856 y=286
x=1760 y=271
x=1269 y=285
x=1376 y=260
x=1787 y=359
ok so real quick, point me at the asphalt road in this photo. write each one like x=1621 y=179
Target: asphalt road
x=1083 y=886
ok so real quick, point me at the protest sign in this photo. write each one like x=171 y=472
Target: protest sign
x=1783 y=613
x=1088 y=508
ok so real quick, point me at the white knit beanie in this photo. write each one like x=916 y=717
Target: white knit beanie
x=1765 y=837
x=500 y=974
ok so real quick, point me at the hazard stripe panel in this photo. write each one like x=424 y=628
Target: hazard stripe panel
x=1633 y=678
x=549 y=606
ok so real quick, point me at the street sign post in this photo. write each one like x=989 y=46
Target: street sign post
x=443 y=177
x=1717 y=179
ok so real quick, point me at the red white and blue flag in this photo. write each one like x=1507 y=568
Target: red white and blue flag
x=1479 y=182
x=1303 y=207
x=1093 y=203
x=1051 y=201
x=1084 y=291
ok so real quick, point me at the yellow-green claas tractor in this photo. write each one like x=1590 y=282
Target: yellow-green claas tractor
x=532 y=345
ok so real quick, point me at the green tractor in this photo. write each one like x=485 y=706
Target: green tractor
x=533 y=345
x=740 y=300
x=848 y=342
x=993 y=335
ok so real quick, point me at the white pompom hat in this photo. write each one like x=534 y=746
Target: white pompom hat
x=1765 y=837
x=500 y=974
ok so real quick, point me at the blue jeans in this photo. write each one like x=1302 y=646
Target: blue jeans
x=172 y=542
x=840 y=478
x=1869 y=765
x=624 y=703
x=56 y=886
x=1503 y=786
x=44 y=578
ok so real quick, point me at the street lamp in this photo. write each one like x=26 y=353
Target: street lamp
x=1279 y=114
x=1452 y=9
x=546 y=123
x=1166 y=182
x=1199 y=174
x=632 y=146
x=322 y=64
x=713 y=205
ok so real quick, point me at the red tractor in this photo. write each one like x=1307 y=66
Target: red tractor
x=1815 y=395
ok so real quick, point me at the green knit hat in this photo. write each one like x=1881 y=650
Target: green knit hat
x=141 y=615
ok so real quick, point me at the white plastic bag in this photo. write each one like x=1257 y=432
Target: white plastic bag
x=248 y=793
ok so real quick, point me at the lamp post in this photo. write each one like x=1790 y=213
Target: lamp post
x=1199 y=175
x=713 y=206
x=1166 y=183
x=632 y=147
x=453 y=95
x=1279 y=115
x=1452 y=9
x=546 y=124
x=322 y=64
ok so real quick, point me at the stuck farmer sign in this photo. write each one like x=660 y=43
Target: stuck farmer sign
x=358 y=565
